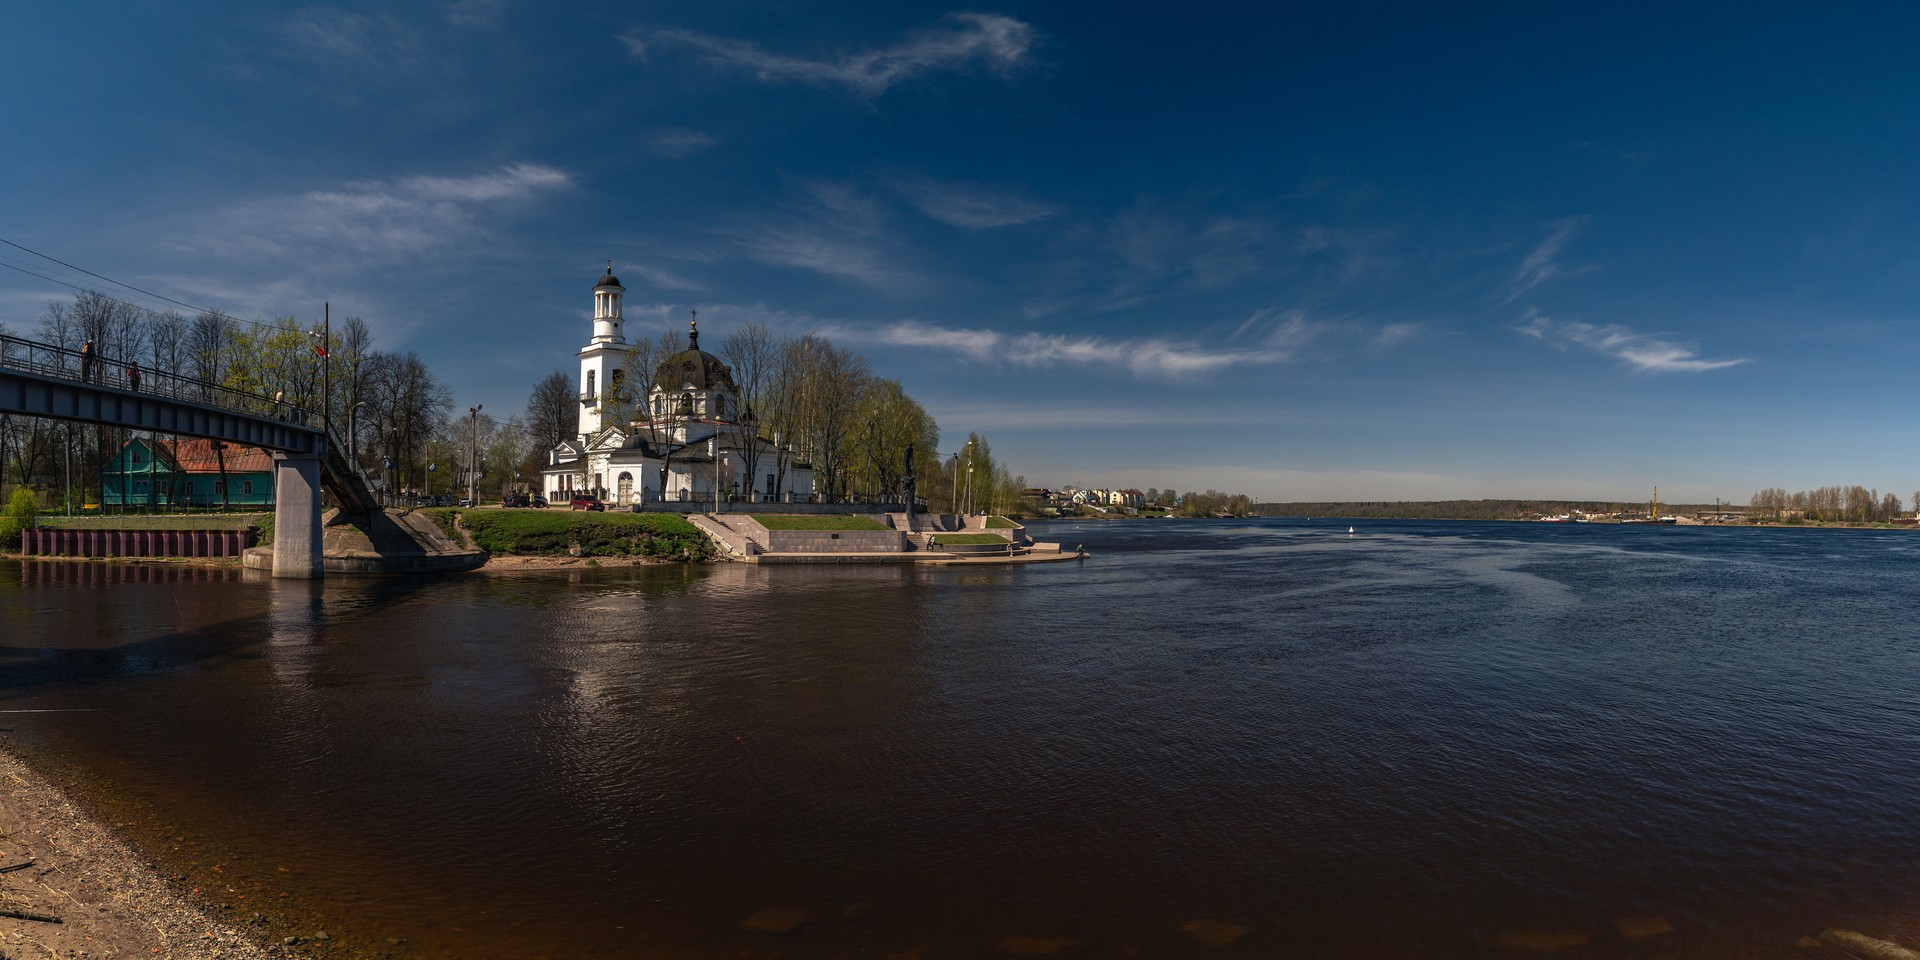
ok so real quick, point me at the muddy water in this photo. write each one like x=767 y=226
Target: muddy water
x=1432 y=740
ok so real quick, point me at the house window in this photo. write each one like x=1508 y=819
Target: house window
x=219 y=486
x=246 y=488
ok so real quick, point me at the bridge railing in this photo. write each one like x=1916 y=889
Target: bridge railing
x=48 y=360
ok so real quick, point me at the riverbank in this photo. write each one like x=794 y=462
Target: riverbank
x=110 y=900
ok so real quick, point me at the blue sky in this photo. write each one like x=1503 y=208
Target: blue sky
x=1342 y=251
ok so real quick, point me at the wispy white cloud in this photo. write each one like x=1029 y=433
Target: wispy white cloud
x=963 y=41
x=677 y=143
x=332 y=35
x=1156 y=357
x=1645 y=353
x=371 y=219
x=1541 y=265
x=835 y=230
x=1394 y=334
x=476 y=14
x=971 y=206
x=1061 y=415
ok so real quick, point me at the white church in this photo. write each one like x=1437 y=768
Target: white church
x=686 y=444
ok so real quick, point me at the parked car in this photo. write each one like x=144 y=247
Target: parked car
x=515 y=500
x=584 y=502
x=537 y=501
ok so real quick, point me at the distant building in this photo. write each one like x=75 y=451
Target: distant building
x=687 y=439
x=196 y=472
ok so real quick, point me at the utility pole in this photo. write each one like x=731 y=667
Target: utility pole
x=473 y=441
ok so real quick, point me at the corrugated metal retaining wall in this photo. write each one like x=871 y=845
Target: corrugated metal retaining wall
x=61 y=542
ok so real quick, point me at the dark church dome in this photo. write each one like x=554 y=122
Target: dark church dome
x=701 y=369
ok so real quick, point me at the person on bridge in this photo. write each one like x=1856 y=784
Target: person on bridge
x=86 y=361
x=133 y=375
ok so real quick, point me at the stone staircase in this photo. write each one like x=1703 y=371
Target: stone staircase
x=735 y=542
x=347 y=484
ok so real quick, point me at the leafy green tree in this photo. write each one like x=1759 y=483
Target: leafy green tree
x=19 y=516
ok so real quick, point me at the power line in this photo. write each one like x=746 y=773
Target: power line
x=218 y=313
x=111 y=280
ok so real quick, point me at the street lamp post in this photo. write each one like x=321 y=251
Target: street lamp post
x=953 y=489
x=473 y=442
x=969 y=497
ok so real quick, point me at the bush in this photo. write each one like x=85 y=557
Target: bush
x=18 y=516
x=550 y=533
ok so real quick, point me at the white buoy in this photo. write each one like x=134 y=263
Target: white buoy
x=1349 y=531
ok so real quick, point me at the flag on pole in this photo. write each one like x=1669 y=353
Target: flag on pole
x=319 y=349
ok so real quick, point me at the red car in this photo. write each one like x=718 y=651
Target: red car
x=584 y=502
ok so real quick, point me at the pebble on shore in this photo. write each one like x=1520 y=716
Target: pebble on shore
x=110 y=900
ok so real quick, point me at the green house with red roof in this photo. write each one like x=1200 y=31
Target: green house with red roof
x=150 y=472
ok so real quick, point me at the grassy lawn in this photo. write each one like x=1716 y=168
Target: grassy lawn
x=1001 y=523
x=956 y=539
x=175 y=521
x=553 y=533
x=808 y=521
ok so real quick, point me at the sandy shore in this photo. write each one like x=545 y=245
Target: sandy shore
x=112 y=902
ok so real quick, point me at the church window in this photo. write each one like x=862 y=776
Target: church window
x=591 y=375
x=619 y=377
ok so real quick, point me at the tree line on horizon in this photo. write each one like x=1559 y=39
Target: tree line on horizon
x=1853 y=504
x=1488 y=509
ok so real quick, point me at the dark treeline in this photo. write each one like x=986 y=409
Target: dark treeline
x=1465 y=509
x=1854 y=504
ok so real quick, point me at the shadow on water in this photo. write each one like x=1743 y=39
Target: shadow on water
x=162 y=618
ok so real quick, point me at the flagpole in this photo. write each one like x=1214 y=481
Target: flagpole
x=326 y=367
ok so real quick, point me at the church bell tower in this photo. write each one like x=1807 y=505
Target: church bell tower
x=601 y=380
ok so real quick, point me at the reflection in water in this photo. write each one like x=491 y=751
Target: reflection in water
x=1425 y=740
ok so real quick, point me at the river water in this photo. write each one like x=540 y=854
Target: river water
x=1422 y=740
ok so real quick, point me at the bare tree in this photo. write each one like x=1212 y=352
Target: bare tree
x=753 y=351
x=825 y=381
x=663 y=416
x=552 y=411
x=210 y=340
x=410 y=408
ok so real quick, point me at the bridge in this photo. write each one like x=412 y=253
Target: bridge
x=42 y=380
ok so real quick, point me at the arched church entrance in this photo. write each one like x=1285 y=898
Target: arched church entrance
x=626 y=488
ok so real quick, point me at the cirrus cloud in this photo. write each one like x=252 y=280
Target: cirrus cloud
x=1644 y=352
x=965 y=40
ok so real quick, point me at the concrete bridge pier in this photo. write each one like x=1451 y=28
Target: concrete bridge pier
x=296 y=516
